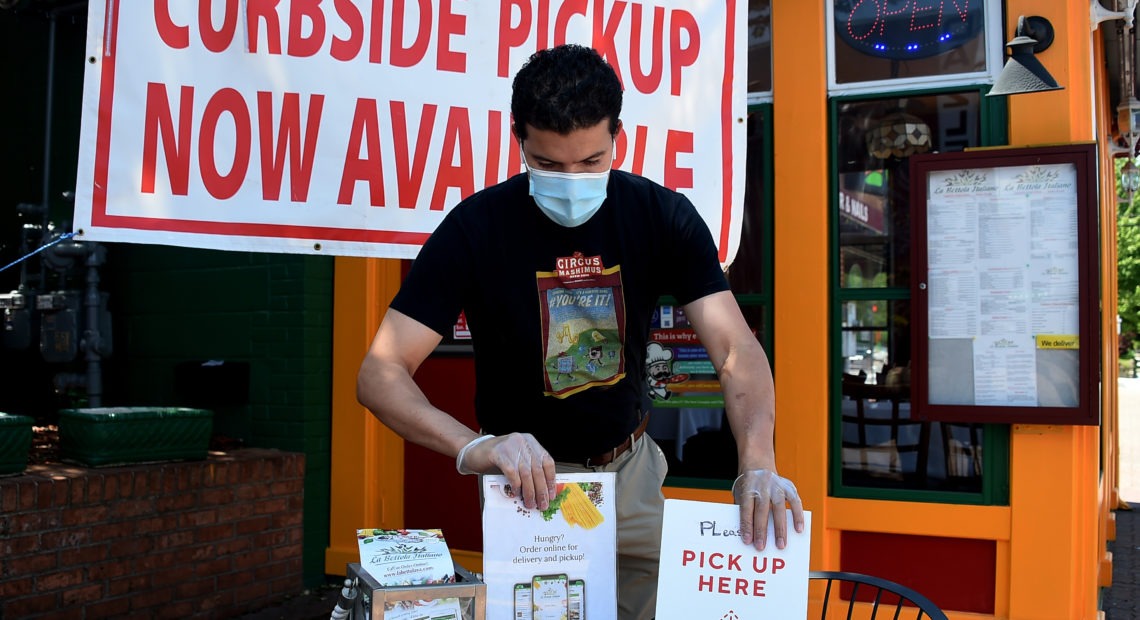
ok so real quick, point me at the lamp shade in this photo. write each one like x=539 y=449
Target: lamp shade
x=1128 y=112
x=1023 y=73
x=900 y=135
x=1130 y=177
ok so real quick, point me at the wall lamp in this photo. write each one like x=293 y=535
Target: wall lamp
x=1023 y=73
x=1128 y=122
x=1128 y=112
x=1130 y=177
x=1098 y=14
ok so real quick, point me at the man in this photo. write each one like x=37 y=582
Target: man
x=555 y=270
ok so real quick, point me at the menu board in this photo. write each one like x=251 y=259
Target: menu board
x=1005 y=252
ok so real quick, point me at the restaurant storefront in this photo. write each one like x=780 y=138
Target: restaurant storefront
x=988 y=518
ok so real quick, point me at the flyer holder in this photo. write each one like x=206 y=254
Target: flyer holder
x=373 y=599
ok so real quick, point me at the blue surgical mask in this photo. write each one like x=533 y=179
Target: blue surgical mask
x=569 y=199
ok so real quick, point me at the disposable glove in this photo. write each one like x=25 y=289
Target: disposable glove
x=760 y=493
x=528 y=467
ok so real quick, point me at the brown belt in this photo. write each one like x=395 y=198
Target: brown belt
x=609 y=456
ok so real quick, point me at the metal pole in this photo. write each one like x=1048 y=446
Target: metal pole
x=49 y=102
x=91 y=335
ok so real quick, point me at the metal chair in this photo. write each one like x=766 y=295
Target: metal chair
x=873 y=597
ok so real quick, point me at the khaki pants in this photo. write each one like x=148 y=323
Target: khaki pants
x=640 y=507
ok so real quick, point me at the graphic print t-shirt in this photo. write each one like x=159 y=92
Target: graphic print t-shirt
x=583 y=325
x=559 y=317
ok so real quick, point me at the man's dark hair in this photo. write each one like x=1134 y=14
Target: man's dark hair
x=565 y=88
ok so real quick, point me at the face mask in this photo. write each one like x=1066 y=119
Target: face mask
x=569 y=199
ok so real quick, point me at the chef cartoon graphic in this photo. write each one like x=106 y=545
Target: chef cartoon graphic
x=659 y=371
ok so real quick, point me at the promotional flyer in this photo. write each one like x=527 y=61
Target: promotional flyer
x=405 y=557
x=553 y=564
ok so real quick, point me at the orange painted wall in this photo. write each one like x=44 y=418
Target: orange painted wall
x=800 y=124
x=367 y=458
x=1053 y=557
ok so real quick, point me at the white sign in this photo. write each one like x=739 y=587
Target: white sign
x=551 y=564
x=351 y=127
x=707 y=572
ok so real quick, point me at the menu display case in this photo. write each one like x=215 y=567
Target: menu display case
x=1006 y=325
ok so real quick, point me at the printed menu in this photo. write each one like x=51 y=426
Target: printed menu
x=1002 y=271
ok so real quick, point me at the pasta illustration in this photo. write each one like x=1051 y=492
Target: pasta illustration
x=578 y=510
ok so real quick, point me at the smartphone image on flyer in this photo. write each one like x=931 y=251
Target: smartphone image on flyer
x=576 y=600
x=550 y=595
x=523 y=609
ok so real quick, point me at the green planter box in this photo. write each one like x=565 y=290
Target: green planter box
x=102 y=436
x=15 y=443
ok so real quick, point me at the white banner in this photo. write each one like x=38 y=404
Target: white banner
x=350 y=127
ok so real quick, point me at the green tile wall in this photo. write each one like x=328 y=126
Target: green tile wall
x=272 y=311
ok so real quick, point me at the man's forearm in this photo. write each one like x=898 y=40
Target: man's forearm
x=749 y=400
x=390 y=393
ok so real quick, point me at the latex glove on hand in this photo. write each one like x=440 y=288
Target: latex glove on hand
x=761 y=493
x=528 y=467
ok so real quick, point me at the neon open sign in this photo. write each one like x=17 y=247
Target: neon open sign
x=908 y=29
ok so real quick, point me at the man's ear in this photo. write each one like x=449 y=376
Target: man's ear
x=515 y=131
x=617 y=129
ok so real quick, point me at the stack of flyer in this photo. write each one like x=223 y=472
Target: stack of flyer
x=410 y=558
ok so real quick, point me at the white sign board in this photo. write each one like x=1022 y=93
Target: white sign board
x=707 y=572
x=351 y=127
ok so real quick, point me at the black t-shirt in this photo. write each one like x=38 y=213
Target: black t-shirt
x=560 y=317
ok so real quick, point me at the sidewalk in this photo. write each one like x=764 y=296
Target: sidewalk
x=312 y=604
x=1122 y=600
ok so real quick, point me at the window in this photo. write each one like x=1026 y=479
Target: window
x=877 y=44
x=688 y=418
x=876 y=446
x=759 y=51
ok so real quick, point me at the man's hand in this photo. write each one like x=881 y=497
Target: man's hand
x=759 y=493
x=528 y=467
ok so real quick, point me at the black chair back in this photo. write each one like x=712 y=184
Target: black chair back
x=887 y=599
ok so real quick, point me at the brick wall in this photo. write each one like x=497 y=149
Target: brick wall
x=205 y=539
